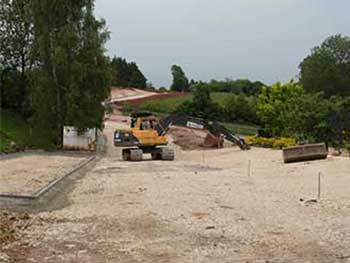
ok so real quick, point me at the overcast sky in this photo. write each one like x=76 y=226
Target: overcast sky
x=214 y=39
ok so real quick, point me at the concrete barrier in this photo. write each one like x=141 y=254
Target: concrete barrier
x=305 y=152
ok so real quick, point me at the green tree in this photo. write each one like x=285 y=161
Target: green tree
x=125 y=74
x=241 y=108
x=16 y=35
x=287 y=110
x=201 y=105
x=272 y=106
x=327 y=68
x=339 y=121
x=72 y=77
x=137 y=79
x=16 y=58
x=239 y=86
x=180 y=81
x=120 y=72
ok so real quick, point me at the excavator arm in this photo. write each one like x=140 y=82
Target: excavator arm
x=213 y=127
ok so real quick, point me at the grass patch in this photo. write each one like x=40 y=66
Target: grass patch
x=241 y=129
x=220 y=97
x=168 y=105
x=13 y=128
x=5 y=144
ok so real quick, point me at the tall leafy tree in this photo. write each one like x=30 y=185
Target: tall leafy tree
x=241 y=108
x=16 y=58
x=339 y=121
x=327 y=68
x=127 y=74
x=287 y=110
x=120 y=72
x=180 y=81
x=202 y=105
x=16 y=35
x=137 y=79
x=72 y=77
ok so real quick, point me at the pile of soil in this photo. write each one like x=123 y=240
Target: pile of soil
x=187 y=139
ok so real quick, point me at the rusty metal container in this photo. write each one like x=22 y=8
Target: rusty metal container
x=305 y=152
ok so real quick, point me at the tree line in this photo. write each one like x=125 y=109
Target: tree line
x=54 y=72
x=181 y=83
x=314 y=109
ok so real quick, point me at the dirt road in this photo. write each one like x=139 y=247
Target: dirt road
x=123 y=95
x=203 y=207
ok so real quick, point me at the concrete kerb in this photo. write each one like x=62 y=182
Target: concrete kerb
x=32 y=199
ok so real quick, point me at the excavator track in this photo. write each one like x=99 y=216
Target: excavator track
x=132 y=154
x=167 y=154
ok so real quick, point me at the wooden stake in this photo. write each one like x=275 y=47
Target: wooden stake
x=249 y=167
x=319 y=185
x=203 y=159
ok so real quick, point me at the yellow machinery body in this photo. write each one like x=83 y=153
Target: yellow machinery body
x=144 y=137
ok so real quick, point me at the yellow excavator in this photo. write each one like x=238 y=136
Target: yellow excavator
x=143 y=137
x=146 y=135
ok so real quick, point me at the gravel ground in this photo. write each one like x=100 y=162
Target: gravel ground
x=25 y=174
x=203 y=207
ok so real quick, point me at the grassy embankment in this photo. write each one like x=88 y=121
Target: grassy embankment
x=17 y=134
x=169 y=105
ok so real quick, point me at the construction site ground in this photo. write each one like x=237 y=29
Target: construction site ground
x=206 y=206
x=27 y=173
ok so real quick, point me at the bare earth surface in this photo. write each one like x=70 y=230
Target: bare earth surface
x=28 y=173
x=120 y=95
x=203 y=207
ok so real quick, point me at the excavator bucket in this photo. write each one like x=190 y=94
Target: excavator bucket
x=305 y=152
x=212 y=141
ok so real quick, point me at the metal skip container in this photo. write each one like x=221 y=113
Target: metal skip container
x=305 y=152
x=75 y=140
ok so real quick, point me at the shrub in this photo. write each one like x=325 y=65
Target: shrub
x=275 y=143
x=127 y=109
x=283 y=143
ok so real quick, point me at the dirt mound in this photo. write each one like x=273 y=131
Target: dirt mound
x=187 y=139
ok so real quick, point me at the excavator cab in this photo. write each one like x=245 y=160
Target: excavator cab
x=144 y=136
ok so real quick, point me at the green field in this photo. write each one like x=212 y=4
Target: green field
x=249 y=130
x=165 y=105
x=169 y=105
x=15 y=129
